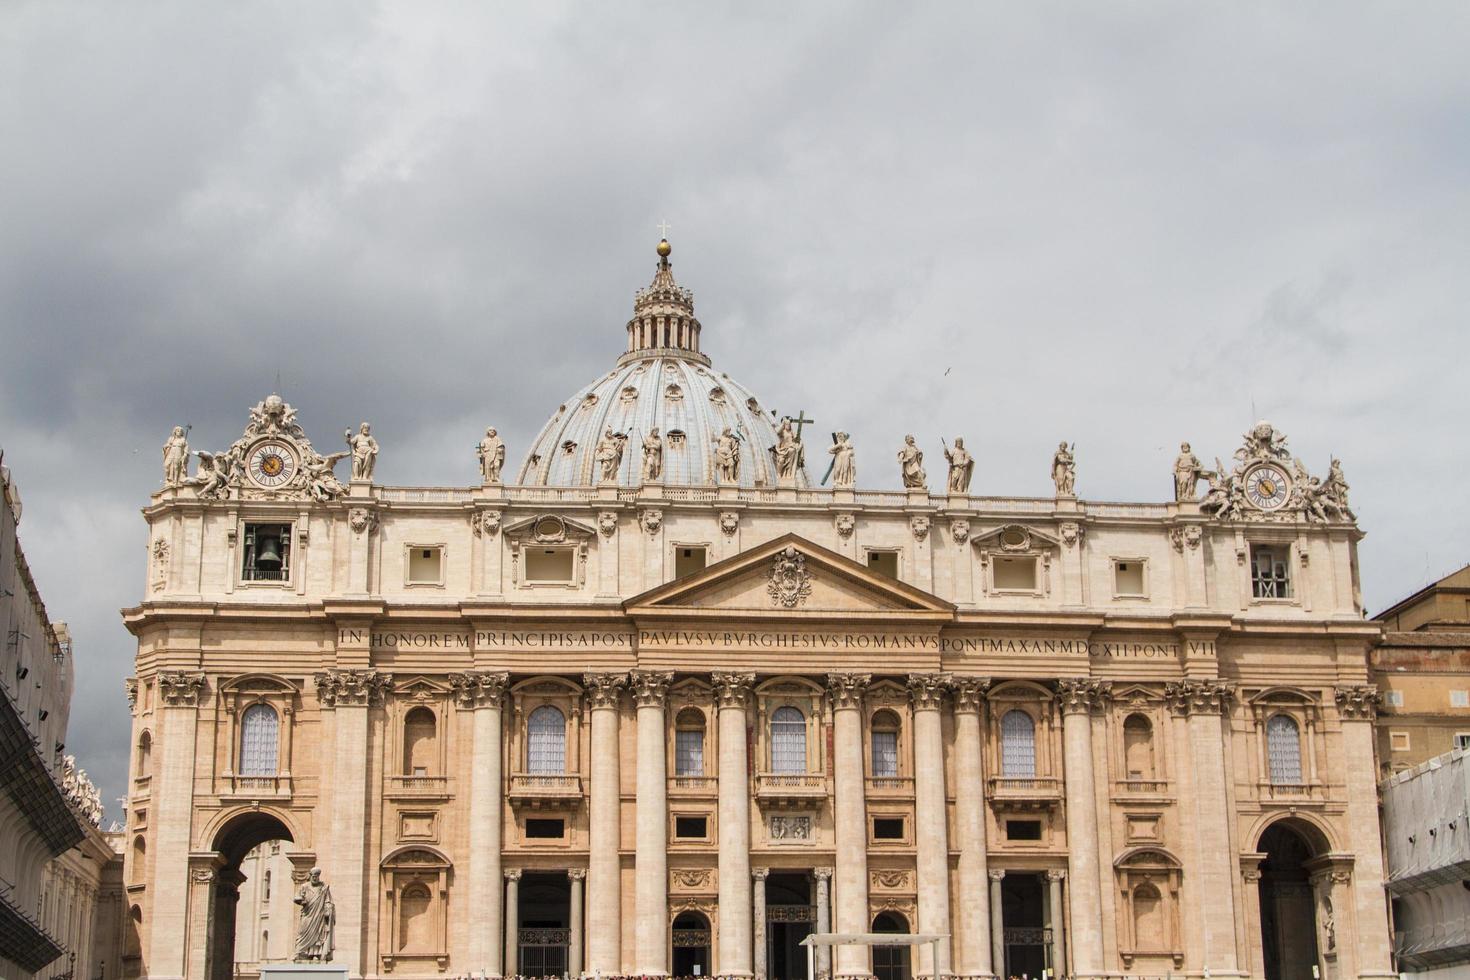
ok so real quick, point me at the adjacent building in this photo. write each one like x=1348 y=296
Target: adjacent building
x=53 y=856
x=665 y=704
x=1422 y=666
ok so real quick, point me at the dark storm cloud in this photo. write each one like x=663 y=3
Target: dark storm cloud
x=1015 y=225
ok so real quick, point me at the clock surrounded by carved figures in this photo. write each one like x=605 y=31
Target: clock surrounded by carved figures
x=272 y=464
x=1267 y=487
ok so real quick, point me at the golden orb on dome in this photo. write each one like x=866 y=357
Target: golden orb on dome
x=664 y=248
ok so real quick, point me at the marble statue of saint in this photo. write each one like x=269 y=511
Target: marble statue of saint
x=213 y=478
x=364 y=452
x=1336 y=489
x=844 y=465
x=911 y=460
x=317 y=920
x=727 y=456
x=961 y=466
x=1187 y=472
x=1064 y=471
x=492 y=456
x=788 y=452
x=321 y=480
x=653 y=456
x=176 y=458
x=609 y=454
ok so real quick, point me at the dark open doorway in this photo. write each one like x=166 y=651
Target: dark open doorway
x=790 y=918
x=691 y=945
x=237 y=838
x=1023 y=913
x=1288 y=907
x=891 y=962
x=545 y=911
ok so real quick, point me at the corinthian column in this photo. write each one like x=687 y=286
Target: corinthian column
x=1077 y=698
x=173 y=788
x=651 y=887
x=824 y=919
x=850 y=818
x=931 y=830
x=481 y=692
x=732 y=694
x=512 y=921
x=574 y=941
x=1203 y=701
x=604 y=888
x=1357 y=706
x=973 y=925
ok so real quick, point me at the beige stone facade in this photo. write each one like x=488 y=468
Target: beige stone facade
x=670 y=709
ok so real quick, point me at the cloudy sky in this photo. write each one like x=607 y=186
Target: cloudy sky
x=1123 y=225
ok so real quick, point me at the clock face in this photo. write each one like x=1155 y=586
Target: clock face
x=271 y=464
x=1267 y=487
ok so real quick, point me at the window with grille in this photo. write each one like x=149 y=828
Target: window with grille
x=788 y=741
x=689 y=752
x=1017 y=745
x=259 y=736
x=546 y=738
x=1270 y=573
x=1284 y=749
x=885 y=754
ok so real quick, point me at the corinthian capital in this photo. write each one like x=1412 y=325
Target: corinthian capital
x=603 y=688
x=1358 y=701
x=479 y=688
x=1078 y=695
x=732 y=690
x=651 y=687
x=927 y=690
x=969 y=693
x=181 y=688
x=1199 y=697
x=351 y=687
x=847 y=689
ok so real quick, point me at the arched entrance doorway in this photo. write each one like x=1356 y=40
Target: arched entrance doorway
x=891 y=962
x=691 y=945
x=236 y=840
x=1288 y=906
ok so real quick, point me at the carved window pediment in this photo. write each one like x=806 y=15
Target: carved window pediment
x=1016 y=539
x=549 y=529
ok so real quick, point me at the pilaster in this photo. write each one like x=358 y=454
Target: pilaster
x=732 y=695
x=651 y=882
x=180 y=693
x=604 y=869
x=480 y=693
x=930 y=824
x=850 y=816
x=1077 y=698
x=974 y=921
x=1357 y=706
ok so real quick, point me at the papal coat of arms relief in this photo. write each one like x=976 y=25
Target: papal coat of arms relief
x=790 y=583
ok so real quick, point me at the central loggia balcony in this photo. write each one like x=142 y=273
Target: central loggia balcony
x=545 y=790
x=790 y=789
x=1025 y=792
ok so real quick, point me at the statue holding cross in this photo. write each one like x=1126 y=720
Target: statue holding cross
x=789 y=454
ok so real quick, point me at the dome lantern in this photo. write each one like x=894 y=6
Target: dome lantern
x=663 y=323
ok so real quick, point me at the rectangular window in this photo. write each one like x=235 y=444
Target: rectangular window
x=549 y=565
x=1128 y=578
x=1015 y=574
x=687 y=561
x=1023 y=830
x=1393 y=699
x=691 y=828
x=1270 y=572
x=885 y=755
x=545 y=829
x=888 y=828
x=884 y=562
x=425 y=566
x=1462 y=740
x=267 y=553
x=1398 y=741
x=1460 y=699
x=689 y=752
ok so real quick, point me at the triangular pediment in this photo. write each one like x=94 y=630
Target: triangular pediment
x=789 y=577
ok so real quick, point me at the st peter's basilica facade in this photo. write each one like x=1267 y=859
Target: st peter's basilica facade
x=661 y=702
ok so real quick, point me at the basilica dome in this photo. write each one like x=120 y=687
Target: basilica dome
x=662 y=382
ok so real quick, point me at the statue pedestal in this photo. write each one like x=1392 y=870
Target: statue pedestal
x=918 y=496
x=360 y=488
x=1067 y=504
x=727 y=491
x=302 y=971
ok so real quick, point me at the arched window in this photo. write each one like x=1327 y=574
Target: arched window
x=890 y=962
x=546 y=738
x=145 y=755
x=689 y=743
x=1284 y=749
x=788 y=740
x=885 y=745
x=1148 y=920
x=1017 y=745
x=259 y=734
x=1138 y=747
x=140 y=859
x=414 y=927
x=418 y=742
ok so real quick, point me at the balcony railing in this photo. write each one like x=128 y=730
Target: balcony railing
x=693 y=785
x=419 y=786
x=891 y=786
x=1290 y=791
x=803 y=787
x=257 y=785
x=1143 y=787
x=1025 y=791
x=545 y=789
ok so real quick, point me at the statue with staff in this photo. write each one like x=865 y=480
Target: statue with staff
x=491 y=451
x=1064 y=470
x=727 y=457
x=176 y=457
x=961 y=466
